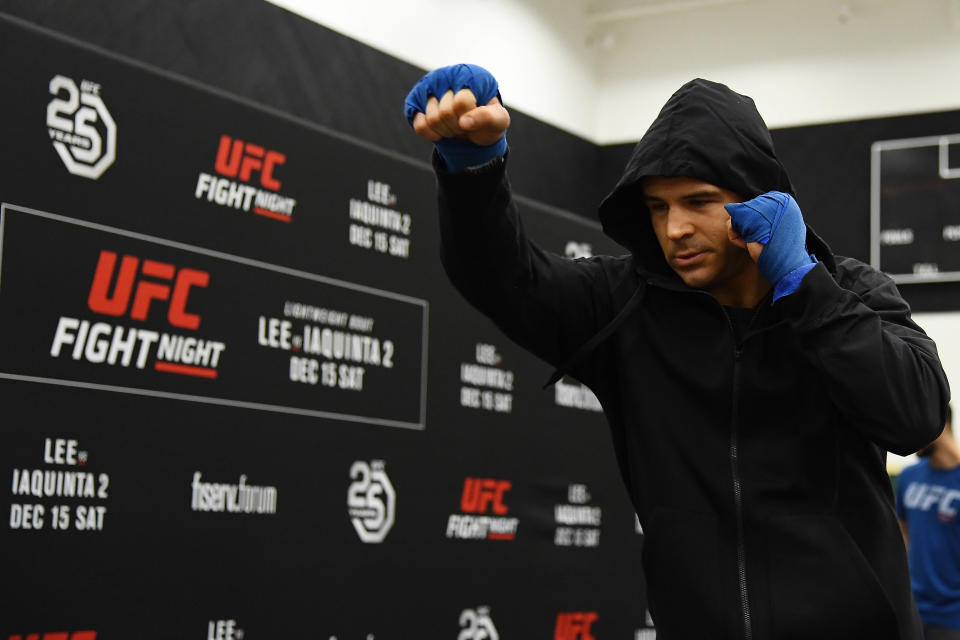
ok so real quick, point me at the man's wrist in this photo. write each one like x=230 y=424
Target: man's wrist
x=461 y=155
x=791 y=281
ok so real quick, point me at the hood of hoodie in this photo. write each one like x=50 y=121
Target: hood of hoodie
x=704 y=131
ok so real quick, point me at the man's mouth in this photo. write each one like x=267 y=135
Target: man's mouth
x=688 y=258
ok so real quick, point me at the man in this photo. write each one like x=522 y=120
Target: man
x=928 y=500
x=751 y=379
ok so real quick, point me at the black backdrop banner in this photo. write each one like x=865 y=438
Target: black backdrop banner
x=241 y=399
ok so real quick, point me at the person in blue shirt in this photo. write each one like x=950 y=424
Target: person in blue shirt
x=928 y=505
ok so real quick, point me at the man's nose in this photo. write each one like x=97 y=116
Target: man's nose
x=678 y=224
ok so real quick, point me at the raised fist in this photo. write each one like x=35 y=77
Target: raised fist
x=458 y=108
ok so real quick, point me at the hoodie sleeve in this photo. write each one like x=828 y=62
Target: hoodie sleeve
x=880 y=369
x=548 y=304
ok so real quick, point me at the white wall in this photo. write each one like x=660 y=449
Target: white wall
x=535 y=48
x=944 y=328
x=797 y=60
x=605 y=79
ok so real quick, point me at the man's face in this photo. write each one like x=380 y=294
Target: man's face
x=692 y=227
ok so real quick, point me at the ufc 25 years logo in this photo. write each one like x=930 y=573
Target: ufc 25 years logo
x=371 y=501
x=476 y=624
x=83 y=132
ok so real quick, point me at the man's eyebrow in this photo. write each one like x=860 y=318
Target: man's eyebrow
x=704 y=193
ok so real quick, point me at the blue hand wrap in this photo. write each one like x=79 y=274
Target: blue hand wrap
x=774 y=220
x=457 y=154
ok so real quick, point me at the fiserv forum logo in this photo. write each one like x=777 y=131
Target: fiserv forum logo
x=222 y=497
x=83 y=132
x=246 y=180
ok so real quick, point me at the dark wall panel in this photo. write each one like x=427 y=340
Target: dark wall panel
x=155 y=557
x=241 y=399
x=830 y=167
x=266 y=54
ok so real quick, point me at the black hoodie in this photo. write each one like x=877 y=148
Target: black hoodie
x=755 y=459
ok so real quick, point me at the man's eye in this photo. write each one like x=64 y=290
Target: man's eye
x=657 y=208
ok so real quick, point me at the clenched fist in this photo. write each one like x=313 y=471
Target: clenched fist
x=458 y=108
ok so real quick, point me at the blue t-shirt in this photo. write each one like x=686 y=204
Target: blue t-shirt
x=928 y=499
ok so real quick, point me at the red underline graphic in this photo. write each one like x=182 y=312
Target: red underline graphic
x=500 y=536
x=186 y=370
x=271 y=214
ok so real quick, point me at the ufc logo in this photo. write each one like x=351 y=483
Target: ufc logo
x=164 y=273
x=575 y=626
x=58 y=635
x=480 y=493
x=239 y=159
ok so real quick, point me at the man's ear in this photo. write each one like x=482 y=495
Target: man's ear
x=752 y=248
x=735 y=237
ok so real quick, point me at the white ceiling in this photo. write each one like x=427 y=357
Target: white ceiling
x=841 y=11
x=597 y=11
x=782 y=27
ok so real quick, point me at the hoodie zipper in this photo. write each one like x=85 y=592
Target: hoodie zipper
x=735 y=464
x=735 y=474
x=738 y=501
